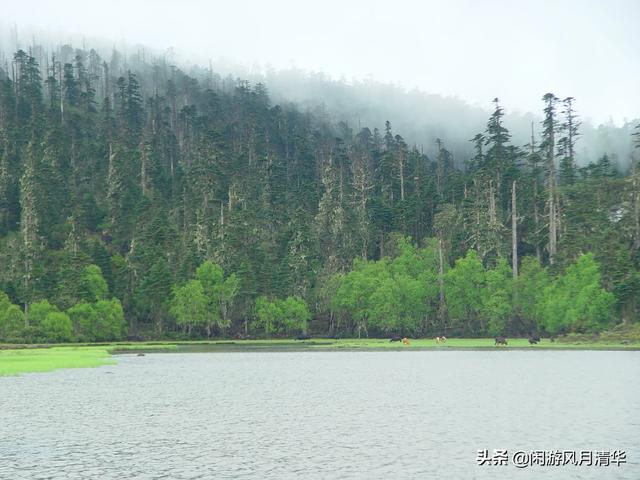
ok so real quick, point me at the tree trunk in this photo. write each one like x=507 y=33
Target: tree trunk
x=552 y=226
x=401 y=162
x=536 y=219
x=514 y=231
x=442 y=305
x=553 y=234
x=636 y=206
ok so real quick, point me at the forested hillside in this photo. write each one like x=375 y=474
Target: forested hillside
x=138 y=201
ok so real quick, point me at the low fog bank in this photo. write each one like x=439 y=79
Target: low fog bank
x=419 y=117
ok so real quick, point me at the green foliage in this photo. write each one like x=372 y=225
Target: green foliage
x=93 y=285
x=267 y=314
x=56 y=327
x=205 y=301
x=219 y=293
x=528 y=294
x=39 y=311
x=101 y=321
x=48 y=323
x=295 y=314
x=189 y=305
x=352 y=295
x=281 y=316
x=575 y=301
x=11 y=318
x=111 y=324
x=83 y=318
x=464 y=285
x=390 y=295
x=497 y=301
x=154 y=174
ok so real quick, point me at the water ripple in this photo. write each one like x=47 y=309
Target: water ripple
x=319 y=415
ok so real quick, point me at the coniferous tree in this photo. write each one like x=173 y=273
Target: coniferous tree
x=29 y=227
x=147 y=172
x=548 y=146
x=566 y=144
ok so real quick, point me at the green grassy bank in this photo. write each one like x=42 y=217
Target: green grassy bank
x=17 y=359
x=24 y=360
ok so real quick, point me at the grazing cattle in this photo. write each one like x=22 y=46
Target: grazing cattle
x=533 y=339
x=441 y=339
x=303 y=337
x=395 y=339
x=501 y=341
x=405 y=341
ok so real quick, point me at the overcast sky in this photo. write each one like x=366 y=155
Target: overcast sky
x=474 y=49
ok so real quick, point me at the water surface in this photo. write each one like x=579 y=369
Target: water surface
x=320 y=415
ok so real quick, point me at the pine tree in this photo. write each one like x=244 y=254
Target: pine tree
x=29 y=228
x=635 y=173
x=497 y=159
x=70 y=86
x=28 y=88
x=548 y=146
x=535 y=171
x=362 y=188
x=147 y=172
x=566 y=144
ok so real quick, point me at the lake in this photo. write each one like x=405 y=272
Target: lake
x=322 y=415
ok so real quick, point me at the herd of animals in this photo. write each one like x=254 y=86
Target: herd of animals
x=533 y=339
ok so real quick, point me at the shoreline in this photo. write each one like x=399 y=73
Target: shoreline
x=16 y=359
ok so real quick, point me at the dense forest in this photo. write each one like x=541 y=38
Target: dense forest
x=139 y=201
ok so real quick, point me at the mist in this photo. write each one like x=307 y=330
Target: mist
x=432 y=70
x=473 y=50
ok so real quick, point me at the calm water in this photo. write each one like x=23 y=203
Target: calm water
x=308 y=415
